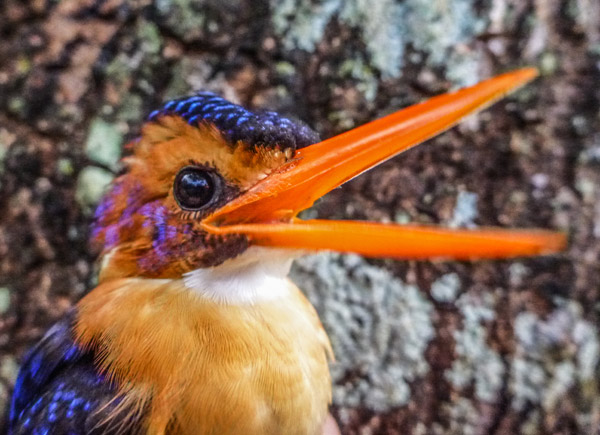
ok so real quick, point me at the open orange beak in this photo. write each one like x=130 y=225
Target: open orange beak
x=267 y=212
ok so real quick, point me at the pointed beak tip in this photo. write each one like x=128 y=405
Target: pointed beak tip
x=557 y=242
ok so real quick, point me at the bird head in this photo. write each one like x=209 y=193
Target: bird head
x=207 y=180
x=194 y=156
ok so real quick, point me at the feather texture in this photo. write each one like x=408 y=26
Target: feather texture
x=59 y=391
x=138 y=225
x=200 y=367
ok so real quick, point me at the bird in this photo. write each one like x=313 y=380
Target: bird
x=194 y=326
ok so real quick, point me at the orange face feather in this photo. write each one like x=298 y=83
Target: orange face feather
x=194 y=316
x=139 y=225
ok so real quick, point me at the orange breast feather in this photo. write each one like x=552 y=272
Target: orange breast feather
x=198 y=367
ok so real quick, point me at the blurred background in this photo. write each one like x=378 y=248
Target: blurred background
x=422 y=348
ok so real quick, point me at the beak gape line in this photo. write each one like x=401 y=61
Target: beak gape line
x=267 y=212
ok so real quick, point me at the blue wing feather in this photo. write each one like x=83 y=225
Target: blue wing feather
x=59 y=391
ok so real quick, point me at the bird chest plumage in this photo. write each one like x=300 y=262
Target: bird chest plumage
x=208 y=367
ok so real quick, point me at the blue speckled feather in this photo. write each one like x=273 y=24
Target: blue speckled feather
x=239 y=124
x=58 y=391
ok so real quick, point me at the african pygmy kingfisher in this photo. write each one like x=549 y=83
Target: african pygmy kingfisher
x=194 y=327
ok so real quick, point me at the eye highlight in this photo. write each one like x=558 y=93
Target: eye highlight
x=195 y=188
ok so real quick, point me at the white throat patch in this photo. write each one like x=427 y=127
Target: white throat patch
x=259 y=274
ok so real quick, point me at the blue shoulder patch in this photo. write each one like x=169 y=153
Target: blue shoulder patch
x=58 y=391
x=239 y=124
x=52 y=351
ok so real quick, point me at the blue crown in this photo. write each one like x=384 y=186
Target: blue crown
x=239 y=124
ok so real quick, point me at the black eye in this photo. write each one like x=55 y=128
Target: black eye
x=194 y=188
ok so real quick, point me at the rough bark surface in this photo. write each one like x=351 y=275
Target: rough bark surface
x=442 y=348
